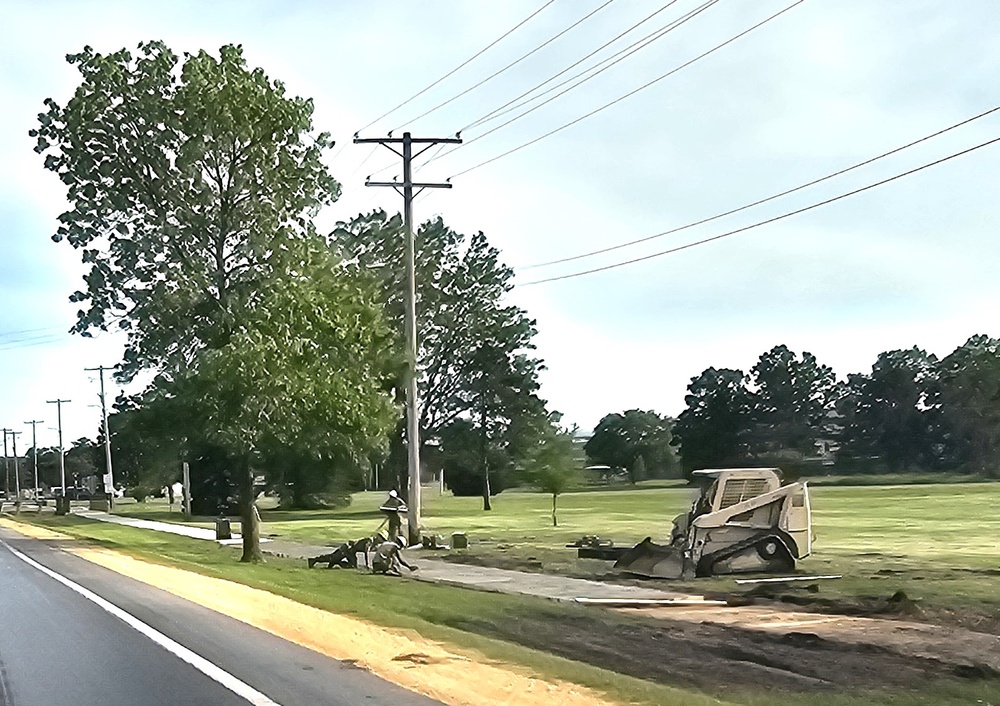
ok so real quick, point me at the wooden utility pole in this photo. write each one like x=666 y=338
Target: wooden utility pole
x=17 y=470
x=406 y=190
x=34 y=451
x=109 y=477
x=6 y=465
x=62 y=505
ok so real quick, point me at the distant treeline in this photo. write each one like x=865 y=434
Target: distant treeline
x=912 y=412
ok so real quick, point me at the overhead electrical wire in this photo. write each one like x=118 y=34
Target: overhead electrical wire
x=8 y=336
x=652 y=37
x=629 y=94
x=46 y=340
x=500 y=111
x=460 y=66
x=758 y=202
x=767 y=221
x=508 y=66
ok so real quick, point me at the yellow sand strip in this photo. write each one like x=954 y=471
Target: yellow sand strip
x=33 y=531
x=403 y=658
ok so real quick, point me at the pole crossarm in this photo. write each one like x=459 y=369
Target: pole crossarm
x=413 y=184
x=406 y=189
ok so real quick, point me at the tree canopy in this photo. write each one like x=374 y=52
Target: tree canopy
x=477 y=373
x=636 y=440
x=184 y=179
x=193 y=185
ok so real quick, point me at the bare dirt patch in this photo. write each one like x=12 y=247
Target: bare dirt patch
x=719 y=658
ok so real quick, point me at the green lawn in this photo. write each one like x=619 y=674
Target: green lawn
x=938 y=543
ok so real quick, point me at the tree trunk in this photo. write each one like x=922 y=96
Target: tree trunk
x=554 y=523
x=486 y=462
x=486 y=489
x=249 y=519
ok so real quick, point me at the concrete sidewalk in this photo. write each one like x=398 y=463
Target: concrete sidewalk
x=157 y=526
x=431 y=570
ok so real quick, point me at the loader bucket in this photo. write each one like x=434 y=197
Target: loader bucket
x=654 y=560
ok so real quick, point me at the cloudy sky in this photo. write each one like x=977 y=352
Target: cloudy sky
x=821 y=87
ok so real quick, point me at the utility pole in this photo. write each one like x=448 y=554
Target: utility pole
x=63 y=502
x=412 y=399
x=34 y=449
x=6 y=466
x=109 y=477
x=17 y=472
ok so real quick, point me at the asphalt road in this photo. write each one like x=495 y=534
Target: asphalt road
x=60 y=647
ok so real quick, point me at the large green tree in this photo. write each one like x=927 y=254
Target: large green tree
x=184 y=179
x=969 y=396
x=475 y=359
x=887 y=416
x=621 y=440
x=305 y=370
x=193 y=185
x=791 y=400
x=711 y=431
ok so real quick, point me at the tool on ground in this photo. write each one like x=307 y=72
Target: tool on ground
x=743 y=521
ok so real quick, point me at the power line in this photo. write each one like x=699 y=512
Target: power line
x=672 y=26
x=759 y=201
x=630 y=93
x=510 y=65
x=764 y=222
x=503 y=109
x=46 y=340
x=28 y=334
x=464 y=63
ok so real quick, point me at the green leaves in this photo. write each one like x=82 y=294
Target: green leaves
x=620 y=440
x=183 y=173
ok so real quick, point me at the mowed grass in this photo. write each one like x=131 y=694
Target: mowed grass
x=940 y=544
x=935 y=540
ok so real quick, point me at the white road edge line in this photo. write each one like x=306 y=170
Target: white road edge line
x=240 y=688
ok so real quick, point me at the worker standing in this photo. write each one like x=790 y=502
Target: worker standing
x=394 y=508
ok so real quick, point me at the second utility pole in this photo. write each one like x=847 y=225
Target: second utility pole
x=109 y=477
x=34 y=450
x=62 y=504
x=412 y=404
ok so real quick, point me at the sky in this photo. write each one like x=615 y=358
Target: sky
x=821 y=87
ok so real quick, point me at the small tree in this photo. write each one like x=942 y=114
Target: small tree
x=552 y=466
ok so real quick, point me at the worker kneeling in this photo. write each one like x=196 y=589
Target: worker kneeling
x=388 y=557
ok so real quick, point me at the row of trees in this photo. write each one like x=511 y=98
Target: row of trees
x=275 y=351
x=913 y=411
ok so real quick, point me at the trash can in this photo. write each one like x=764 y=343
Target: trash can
x=62 y=505
x=459 y=541
x=222 y=529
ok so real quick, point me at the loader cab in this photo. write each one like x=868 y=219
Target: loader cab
x=723 y=487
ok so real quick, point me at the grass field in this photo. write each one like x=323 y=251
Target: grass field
x=938 y=543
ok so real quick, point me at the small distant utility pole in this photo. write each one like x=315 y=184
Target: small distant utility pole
x=34 y=450
x=412 y=401
x=17 y=471
x=109 y=477
x=6 y=465
x=62 y=451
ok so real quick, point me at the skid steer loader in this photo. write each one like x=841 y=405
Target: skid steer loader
x=743 y=521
